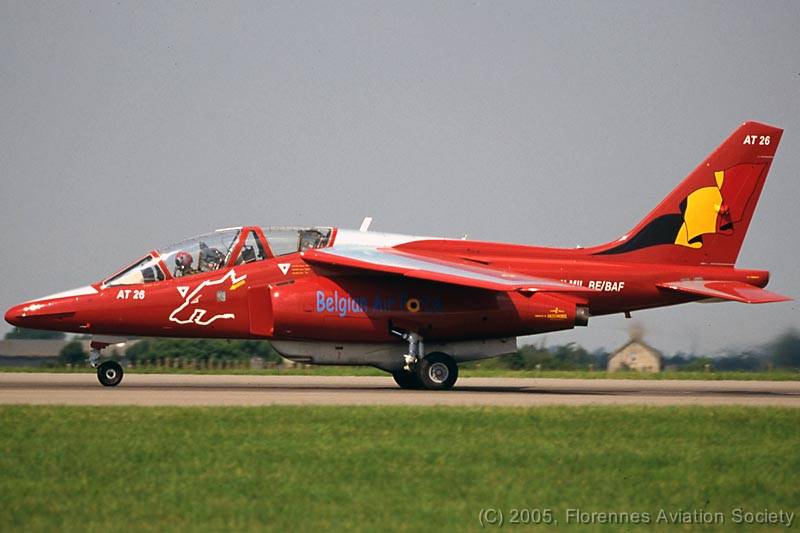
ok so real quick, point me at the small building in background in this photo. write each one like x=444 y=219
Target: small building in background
x=30 y=352
x=635 y=355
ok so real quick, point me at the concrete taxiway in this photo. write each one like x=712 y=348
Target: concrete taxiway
x=189 y=389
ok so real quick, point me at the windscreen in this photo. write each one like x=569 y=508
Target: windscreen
x=146 y=270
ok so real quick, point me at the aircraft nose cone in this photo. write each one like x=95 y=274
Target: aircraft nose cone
x=56 y=312
x=42 y=314
x=25 y=314
x=14 y=315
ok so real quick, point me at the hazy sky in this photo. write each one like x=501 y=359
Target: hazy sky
x=127 y=126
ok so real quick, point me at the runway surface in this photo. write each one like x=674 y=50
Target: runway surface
x=188 y=389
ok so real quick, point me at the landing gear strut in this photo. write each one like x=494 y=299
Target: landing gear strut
x=94 y=357
x=416 y=348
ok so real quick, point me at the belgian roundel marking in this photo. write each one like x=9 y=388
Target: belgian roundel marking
x=413 y=305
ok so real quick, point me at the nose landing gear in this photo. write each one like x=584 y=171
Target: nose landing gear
x=109 y=373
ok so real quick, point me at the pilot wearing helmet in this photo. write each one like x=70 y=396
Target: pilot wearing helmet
x=183 y=264
x=209 y=258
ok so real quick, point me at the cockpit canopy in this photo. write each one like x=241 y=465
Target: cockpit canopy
x=200 y=254
x=225 y=247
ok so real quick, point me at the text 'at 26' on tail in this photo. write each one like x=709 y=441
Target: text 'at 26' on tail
x=417 y=306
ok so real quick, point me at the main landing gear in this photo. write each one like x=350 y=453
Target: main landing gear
x=109 y=373
x=435 y=371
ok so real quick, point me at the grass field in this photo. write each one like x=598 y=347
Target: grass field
x=781 y=375
x=299 y=468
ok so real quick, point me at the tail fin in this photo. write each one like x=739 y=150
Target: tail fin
x=704 y=220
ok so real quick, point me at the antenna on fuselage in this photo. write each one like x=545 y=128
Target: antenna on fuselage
x=365 y=224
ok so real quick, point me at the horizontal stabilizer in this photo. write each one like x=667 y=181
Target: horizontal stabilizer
x=410 y=265
x=735 y=291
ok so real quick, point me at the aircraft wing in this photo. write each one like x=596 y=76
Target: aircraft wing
x=410 y=265
x=735 y=291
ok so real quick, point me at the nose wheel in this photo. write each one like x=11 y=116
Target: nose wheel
x=109 y=373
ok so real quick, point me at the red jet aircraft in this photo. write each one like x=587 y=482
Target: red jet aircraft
x=416 y=306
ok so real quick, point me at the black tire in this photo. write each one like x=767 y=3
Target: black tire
x=437 y=371
x=406 y=380
x=109 y=373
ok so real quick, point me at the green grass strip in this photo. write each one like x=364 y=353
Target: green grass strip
x=383 y=468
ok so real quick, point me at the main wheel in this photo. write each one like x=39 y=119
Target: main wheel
x=407 y=380
x=437 y=371
x=109 y=373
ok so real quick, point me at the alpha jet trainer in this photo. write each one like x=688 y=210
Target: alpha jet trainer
x=417 y=306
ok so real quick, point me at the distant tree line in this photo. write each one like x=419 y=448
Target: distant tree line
x=781 y=353
x=568 y=356
x=151 y=350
